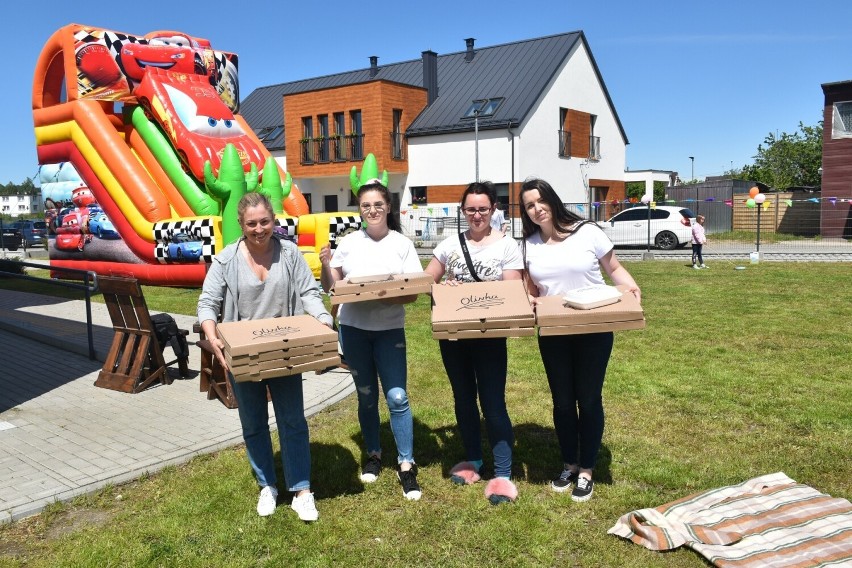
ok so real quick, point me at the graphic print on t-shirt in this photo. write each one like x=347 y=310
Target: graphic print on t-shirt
x=457 y=268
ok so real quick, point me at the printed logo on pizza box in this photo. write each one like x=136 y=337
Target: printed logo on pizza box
x=485 y=301
x=276 y=331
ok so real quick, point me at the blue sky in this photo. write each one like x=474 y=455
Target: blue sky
x=708 y=79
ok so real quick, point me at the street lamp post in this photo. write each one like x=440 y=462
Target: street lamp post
x=692 y=160
x=647 y=200
x=476 y=111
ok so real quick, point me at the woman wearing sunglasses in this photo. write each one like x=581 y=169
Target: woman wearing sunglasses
x=477 y=367
x=371 y=332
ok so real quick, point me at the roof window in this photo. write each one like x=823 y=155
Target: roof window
x=483 y=107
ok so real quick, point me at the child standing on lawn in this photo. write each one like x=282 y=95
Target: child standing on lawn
x=699 y=239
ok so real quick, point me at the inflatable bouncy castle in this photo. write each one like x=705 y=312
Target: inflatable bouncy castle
x=144 y=156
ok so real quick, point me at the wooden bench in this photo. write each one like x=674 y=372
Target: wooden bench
x=135 y=359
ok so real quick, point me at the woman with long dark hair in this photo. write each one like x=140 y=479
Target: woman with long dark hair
x=371 y=332
x=562 y=251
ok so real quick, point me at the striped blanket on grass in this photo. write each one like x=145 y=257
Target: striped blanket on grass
x=765 y=521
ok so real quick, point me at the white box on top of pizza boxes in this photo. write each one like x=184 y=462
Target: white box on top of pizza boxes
x=555 y=316
x=277 y=347
x=481 y=309
x=376 y=287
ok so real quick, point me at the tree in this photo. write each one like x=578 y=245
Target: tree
x=787 y=160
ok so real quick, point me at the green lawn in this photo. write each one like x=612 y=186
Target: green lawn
x=739 y=373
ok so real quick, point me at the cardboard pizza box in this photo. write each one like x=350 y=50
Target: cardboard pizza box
x=314 y=365
x=242 y=365
x=363 y=288
x=279 y=354
x=554 y=317
x=248 y=337
x=481 y=309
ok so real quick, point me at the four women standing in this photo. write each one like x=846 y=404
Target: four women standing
x=262 y=276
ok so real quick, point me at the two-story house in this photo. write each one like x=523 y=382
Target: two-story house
x=503 y=113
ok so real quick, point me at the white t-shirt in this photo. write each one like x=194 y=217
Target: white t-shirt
x=359 y=255
x=573 y=263
x=489 y=261
x=497 y=219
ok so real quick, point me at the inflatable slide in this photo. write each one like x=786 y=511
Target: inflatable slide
x=144 y=155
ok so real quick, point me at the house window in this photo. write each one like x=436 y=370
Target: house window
x=357 y=136
x=269 y=133
x=397 y=147
x=418 y=195
x=307 y=141
x=338 y=148
x=564 y=147
x=322 y=144
x=841 y=120
x=483 y=107
x=594 y=141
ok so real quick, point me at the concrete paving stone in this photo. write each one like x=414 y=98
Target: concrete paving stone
x=74 y=438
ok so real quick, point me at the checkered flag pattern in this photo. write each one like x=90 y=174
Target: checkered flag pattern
x=339 y=227
x=197 y=229
x=287 y=227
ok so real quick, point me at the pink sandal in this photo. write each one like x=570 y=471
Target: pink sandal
x=464 y=473
x=501 y=490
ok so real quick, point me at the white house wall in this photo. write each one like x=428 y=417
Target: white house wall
x=575 y=87
x=449 y=159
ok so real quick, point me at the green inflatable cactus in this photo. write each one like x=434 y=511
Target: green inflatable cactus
x=271 y=186
x=369 y=170
x=229 y=188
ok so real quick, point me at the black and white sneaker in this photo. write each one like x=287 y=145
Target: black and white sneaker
x=584 y=489
x=372 y=468
x=408 y=480
x=564 y=481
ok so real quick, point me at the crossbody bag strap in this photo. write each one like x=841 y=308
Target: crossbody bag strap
x=467 y=258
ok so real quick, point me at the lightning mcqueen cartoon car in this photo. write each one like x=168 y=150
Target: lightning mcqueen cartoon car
x=171 y=51
x=196 y=121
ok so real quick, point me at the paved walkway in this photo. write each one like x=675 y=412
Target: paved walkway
x=60 y=436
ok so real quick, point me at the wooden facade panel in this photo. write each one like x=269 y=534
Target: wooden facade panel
x=580 y=127
x=836 y=218
x=376 y=101
x=614 y=189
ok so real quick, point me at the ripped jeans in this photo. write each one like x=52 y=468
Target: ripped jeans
x=374 y=355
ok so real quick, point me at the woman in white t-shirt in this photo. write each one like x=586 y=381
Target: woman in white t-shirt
x=372 y=334
x=561 y=252
x=478 y=366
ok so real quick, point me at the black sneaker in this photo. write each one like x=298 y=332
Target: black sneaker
x=372 y=468
x=408 y=479
x=564 y=481
x=583 y=491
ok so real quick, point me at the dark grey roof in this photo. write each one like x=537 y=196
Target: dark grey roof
x=519 y=72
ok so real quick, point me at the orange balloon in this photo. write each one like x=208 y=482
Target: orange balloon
x=753 y=191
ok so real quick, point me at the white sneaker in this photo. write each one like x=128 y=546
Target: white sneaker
x=267 y=501
x=696 y=267
x=305 y=507
x=704 y=266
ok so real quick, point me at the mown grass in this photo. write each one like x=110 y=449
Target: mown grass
x=738 y=374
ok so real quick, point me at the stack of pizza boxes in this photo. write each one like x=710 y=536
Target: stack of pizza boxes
x=380 y=286
x=278 y=347
x=481 y=309
x=591 y=309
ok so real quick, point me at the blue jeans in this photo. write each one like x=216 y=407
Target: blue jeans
x=478 y=367
x=372 y=355
x=696 y=253
x=576 y=366
x=289 y=405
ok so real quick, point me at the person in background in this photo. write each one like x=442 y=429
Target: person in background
x=562 y=252
x=478 y=366
x=699 y=239
x=371 y=332
x=498 y=220
x=263 y=276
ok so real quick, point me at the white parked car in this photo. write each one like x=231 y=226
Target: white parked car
x=671 y=227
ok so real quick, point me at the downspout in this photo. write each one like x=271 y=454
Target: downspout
x=512 y=178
